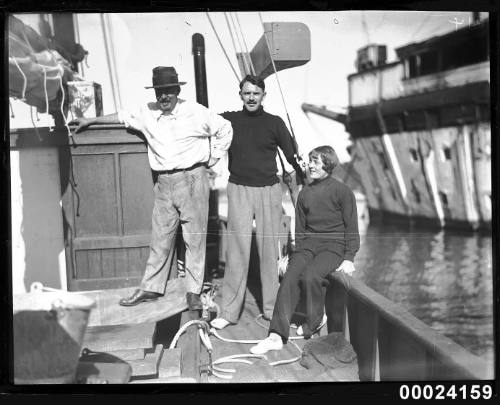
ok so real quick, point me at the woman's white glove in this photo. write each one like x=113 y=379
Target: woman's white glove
x=346 y=267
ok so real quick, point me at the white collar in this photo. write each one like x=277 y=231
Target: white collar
x=157 y=113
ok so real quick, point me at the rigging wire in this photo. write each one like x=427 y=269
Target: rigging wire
x=434 y=31
x=381 y=22
x=222 y=46
x=231 y=34
x=77 y=39
x=110 y=60
x=243 y=56
x=422 y=24
x=285 y=174
x=365 y=27
x=109 y=26
x=245 y=45
x=278 y=81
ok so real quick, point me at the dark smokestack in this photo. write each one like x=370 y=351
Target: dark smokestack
x=199 y=69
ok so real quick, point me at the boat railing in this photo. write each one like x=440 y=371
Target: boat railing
x=392 y=344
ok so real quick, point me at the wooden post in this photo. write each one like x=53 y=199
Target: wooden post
x=189 y=343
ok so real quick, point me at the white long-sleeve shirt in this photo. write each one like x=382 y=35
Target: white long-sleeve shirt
x=188 y=135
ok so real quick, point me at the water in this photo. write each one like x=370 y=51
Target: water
x=443 y=278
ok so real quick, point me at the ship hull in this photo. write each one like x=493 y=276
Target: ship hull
x=439 y=177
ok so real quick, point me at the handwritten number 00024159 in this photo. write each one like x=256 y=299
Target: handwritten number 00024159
x=428 y=391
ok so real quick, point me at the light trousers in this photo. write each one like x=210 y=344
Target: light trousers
x=180 y=198
x=245 y=203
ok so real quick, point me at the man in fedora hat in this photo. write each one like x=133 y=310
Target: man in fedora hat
x=183 y=138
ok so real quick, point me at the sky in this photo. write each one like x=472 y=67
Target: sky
x=140 y=41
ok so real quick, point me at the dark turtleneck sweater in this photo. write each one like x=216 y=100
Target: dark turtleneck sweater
x=252 y=154
x=326 y=214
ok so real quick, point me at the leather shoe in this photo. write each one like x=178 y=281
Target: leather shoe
x=139 y=296
x=194 y=302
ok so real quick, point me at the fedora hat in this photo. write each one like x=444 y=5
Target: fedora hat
x=164 y=76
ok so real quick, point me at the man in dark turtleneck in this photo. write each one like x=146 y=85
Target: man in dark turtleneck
x=253 y=191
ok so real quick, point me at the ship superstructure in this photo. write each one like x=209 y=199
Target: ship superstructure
x=421 y=128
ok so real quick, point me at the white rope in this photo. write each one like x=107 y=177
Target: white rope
x=222 y=46
x=11 y=110
x=25 y=80
x=225 y=377
x=291 y=339
x=266 y=327
x=235 y=358
x=239 y=358
x=205 y=339
x=232 y=361
x=288 y=361
x=181 y=331
x=247 y=341
x=34 y=125
x=62 y=106
x=46 y=95
x=224 y=370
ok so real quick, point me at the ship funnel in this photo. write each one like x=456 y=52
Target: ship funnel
x=199 y=69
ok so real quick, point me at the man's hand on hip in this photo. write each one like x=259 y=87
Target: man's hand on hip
x=212 y=161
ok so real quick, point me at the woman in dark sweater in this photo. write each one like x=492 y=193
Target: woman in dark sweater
x=326 y=239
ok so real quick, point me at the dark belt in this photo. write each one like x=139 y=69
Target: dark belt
x=181 y=170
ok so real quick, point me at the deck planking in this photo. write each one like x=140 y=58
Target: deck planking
x=261 y=371
x=111 y=338
x=109 y=312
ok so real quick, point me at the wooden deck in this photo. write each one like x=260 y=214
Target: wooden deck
x=108 y=312
x=111 y=326
x=391 y=345
x=261 y=371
